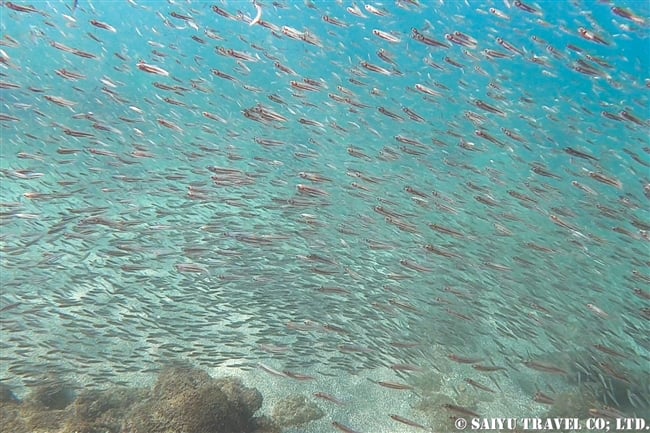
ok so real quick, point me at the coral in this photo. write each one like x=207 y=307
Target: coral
x=97 y=411
x=187 y=400
x=183 y=400
x=246 y=400
x=296 y=410
x=178 y=378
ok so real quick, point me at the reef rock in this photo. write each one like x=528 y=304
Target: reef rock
x=7 y=395
x=52 y=394
x=96 y=411
x=188 y=400
x=296 y=410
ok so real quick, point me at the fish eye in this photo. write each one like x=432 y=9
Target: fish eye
x=492 y=10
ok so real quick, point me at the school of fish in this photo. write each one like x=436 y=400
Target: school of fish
x=316 y=191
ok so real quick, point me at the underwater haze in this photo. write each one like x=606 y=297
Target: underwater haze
x=406 y=211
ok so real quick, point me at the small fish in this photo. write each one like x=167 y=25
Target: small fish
x=479 y=386
x=543 y=398
x=152 y=69
x=344 y=428
x=405 y=367
x=597 y=311
x=487 y=368
x=297 y=376
x=545 y=368
x=258 y=14
x=395 y=385
x=103 y=26
x=407 y=421
x=329 y=397
x=459 y=410
x=386 y=36
x=463 y=360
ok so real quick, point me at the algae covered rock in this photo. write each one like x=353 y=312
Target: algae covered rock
x=296 y=410
x=187 y=400
x=247 y=401
x=10 y=416
x=176 y=379
x=7 y=395
x=183 y=400
x=44 y=407
x=96 y=411
x=41 y=410
x=54 y=395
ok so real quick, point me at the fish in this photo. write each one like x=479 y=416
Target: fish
x=407 y=421
x=542 y=398
x=545 y=368
x=479 y=386
x=335 y=199
x=152 y=69
x=329 y=397
x=395 y=385
x=344 y=428
x=459 y=410
x=258 y=14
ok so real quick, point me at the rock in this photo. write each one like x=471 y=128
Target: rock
x=183 y=400
x=96 y=411
x=296 y=410
x=176 y=379
x=247 y=400
x=7 y=395
x=53 y=395
x=187 y=400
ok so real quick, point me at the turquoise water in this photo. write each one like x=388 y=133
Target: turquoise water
x=277 y=197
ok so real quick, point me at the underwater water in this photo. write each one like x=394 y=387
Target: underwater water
x=406 y=211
